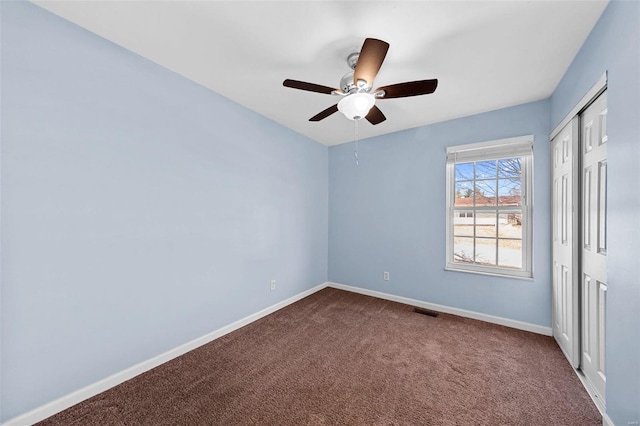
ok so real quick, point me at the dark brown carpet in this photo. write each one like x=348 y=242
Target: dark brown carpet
x=339 y=358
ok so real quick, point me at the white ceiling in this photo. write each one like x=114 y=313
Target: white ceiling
x=485 y=54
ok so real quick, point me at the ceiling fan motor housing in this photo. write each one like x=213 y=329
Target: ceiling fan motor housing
x=346 y=83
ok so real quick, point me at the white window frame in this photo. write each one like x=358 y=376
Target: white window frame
x=494 y=150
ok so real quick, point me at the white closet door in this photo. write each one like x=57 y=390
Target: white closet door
x=594 y=242
x=565 y=320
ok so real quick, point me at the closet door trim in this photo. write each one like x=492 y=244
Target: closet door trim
x=595 y=91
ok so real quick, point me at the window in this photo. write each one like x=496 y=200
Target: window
x=489 y=207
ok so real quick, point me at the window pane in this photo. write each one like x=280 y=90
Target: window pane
x=509 y=192
x=463 y=224
x=486 y=251
x=486 y=224
x=510 y=253
x=485 y=193
x=488 y=214
x=486 y=169
x=510 y=225
x=464 y=194
x=510 y=167
x=463 y=250
x=464 y=171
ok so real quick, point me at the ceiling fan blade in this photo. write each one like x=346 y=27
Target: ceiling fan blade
x=375 y=116
x=309 y=87
x=324 y=114
x=370 y=60
x=411 y=88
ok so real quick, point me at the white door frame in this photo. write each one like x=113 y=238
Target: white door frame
x=592 y=94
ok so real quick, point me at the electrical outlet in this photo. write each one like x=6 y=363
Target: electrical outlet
x=273 y=285
x=385 y=275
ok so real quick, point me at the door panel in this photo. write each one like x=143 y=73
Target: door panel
x=594 y=248
x=565 y=251
x=602 y=206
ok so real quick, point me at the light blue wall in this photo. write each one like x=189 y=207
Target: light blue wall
x=139 y=210
x=614 y=46
x=388 y=214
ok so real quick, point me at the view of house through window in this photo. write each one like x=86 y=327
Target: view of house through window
x=489 y=207
x=487 y=225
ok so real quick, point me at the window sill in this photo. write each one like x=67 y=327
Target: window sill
x=491 y=274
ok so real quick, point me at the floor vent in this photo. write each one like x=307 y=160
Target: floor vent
x=425 y=312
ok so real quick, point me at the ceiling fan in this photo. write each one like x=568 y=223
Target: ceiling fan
x=358 y=100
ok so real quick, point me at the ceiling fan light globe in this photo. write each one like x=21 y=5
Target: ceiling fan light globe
x=356 y=106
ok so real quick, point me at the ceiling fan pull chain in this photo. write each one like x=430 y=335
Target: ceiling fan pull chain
x=355 y=153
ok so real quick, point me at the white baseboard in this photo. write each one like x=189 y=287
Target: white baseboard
x=597 y=401
x=534 y=328
x=606 y=421
x=60 y=404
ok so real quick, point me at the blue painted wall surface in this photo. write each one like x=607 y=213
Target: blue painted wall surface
x=614 y=46
x=388 y=214
x=139 y=210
